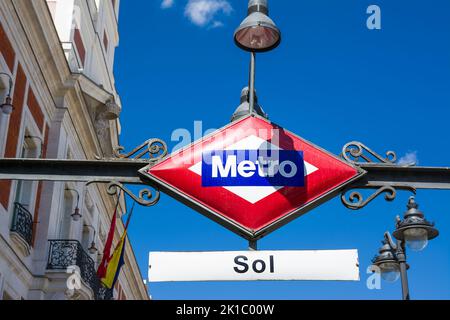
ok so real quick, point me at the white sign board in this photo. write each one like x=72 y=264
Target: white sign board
x=340 y=265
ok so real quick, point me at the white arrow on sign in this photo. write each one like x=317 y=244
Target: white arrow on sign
x=332 y=265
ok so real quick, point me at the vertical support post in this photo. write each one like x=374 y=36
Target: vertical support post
x=251 y=86
x=253 y=245
x=401 y=256
x=404 y=276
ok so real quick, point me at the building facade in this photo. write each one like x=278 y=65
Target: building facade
x=56 y=61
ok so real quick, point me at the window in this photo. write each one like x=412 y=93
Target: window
x=65 y=215
x=69 y=203
x=80 y=46
x=25 y=191
x=25 y=199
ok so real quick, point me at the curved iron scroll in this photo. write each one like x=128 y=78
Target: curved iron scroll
x=356 y=201
x=356 y=151
x=155 y=148
x=146 y=197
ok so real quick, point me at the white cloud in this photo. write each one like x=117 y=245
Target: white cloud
x=166 y=4
x=409 y=158
x=216 y=24
x=202 y=12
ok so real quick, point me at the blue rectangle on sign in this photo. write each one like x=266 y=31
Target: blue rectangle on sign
x=233 y=168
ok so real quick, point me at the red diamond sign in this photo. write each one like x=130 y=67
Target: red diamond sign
x=252 y=176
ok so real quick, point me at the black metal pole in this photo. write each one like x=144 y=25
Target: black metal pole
x=401 y=256
x=252 y=83
x=253 y=245
x=126 y=171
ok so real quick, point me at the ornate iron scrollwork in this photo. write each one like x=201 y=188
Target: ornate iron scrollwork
x=355 y=151
x=146 y=197
x=356 y=201
x=155 y=148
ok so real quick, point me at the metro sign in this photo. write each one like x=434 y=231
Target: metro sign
x=253 y=168
x=252 y=176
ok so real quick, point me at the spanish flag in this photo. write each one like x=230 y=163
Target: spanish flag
x=101 y=272
x=116 y=261
x=115 y=264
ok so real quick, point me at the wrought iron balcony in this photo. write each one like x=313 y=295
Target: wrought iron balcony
x=22 y=223
x=64 y=254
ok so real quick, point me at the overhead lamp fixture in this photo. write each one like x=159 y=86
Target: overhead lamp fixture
x=92 y=248
x=76 y=215
x=387 y=260
x=257 y=33
x=414 y=229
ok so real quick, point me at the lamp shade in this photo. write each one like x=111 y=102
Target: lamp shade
x=390 y=271
x=414 y=229
x=93 y=249
x=76 y=216
x=257 y=33
x=387 y=263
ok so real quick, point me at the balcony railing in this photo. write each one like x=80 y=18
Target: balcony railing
x=69 y=253
x=22 y=223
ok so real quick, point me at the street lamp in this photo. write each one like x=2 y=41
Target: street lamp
x=415 y=231
x=7 y=106
x=257 y=33
x=92 y=249
x=391 y=262
x=76 y=216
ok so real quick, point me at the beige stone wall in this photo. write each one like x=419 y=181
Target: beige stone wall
x=57 y=114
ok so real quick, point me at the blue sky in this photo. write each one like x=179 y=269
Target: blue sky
x=331 y=81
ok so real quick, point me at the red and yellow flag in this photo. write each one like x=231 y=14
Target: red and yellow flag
x=116 y=260
x=115 y=264
x=101 y=271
